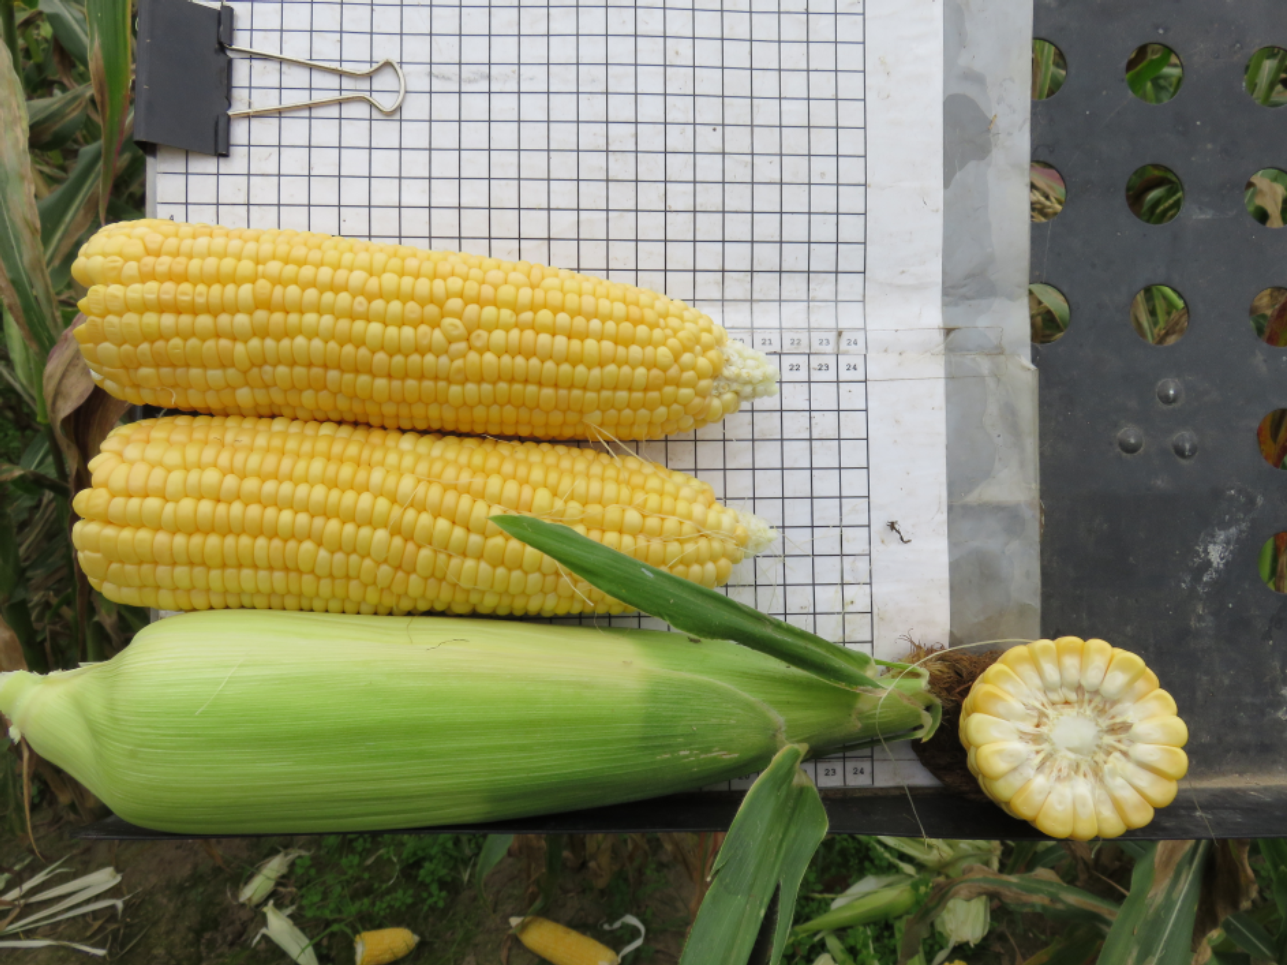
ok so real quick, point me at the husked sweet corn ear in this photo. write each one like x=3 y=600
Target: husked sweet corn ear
x=560 y=945
x=235 y=321
x=1075 y=737
x=208 y=512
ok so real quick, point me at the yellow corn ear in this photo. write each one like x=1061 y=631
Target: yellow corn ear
x=234 y=321
x=208 y=512
x=383 y=946
x=560 y=945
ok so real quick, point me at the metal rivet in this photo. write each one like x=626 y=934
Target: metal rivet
x=1130 y=440
x=1169 y=391
x=1185 y=445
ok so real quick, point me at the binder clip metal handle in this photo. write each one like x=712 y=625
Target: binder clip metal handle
x=321 y=101
x=183 y=86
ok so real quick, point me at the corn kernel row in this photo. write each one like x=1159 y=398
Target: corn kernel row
x=194 y=513
x=309 y=326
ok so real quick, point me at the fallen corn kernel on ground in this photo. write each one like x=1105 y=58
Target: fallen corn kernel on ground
x=560 y=945
x=1075 y=737
x=208 y=512
x=235 y=321
x=384 y=945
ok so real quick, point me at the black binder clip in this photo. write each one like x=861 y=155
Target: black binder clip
x=183 y=86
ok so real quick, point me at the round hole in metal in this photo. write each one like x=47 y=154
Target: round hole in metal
x=1046 y=191
x=1269 y=316
x=1154 y=73
x=1265 y=196
x=1049 y=69
x=1154 y=194
x=1273 y=563
x=1271 y=437
x=1265 y=78
x=1048 y=313
x=1159 y=315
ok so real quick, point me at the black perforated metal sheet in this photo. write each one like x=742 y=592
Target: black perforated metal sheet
x=1156 y=498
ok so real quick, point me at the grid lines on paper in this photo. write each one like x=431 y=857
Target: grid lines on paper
x=713 y=152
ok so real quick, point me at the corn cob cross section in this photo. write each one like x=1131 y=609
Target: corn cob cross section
x=246 y=322
x=209 y=512
x=1075 y=737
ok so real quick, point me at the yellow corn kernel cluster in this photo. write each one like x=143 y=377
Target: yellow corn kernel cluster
x=286 y=323
x=384 y=945
x=202 y=512
x=560 y=945
x=1075 y=737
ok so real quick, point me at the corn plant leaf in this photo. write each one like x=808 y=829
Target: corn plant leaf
x=53 y=121
x=67 y=211
x=1080 y=946
x=111 y=67
x=1245 y=932
x=687 y=606
x=1274 y=853
x=1156 y=920
x=776 y=830
x=495 y=847
x=67 y=20
x=24 y=372
x=25 y=288
x=1038 y=891
x=80 y=412
x=67 y=380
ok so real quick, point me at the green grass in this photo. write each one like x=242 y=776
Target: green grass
x=355 y=882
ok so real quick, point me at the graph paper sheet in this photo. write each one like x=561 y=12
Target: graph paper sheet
x=776 y=164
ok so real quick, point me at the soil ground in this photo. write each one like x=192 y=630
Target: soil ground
x=182 y=909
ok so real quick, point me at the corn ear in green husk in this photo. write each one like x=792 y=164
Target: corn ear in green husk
x=238 y=722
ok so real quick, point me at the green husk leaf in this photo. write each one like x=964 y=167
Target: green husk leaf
x=1155 y=925
x=688 y=607
x=67 y=20
x=25 y=288
x=111 y=66
x=884 y=904
x=624 y=716
x=49 y=942
x=287 y=937
x=776 y=830
x=264 y=880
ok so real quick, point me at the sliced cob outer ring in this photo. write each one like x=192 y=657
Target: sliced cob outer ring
x=1074 y=736
x=213 y=512
x=234 y=321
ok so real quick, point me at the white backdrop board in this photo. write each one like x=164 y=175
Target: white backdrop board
x=778 y=165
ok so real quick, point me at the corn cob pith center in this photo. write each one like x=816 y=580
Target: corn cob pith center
x=234 y=321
